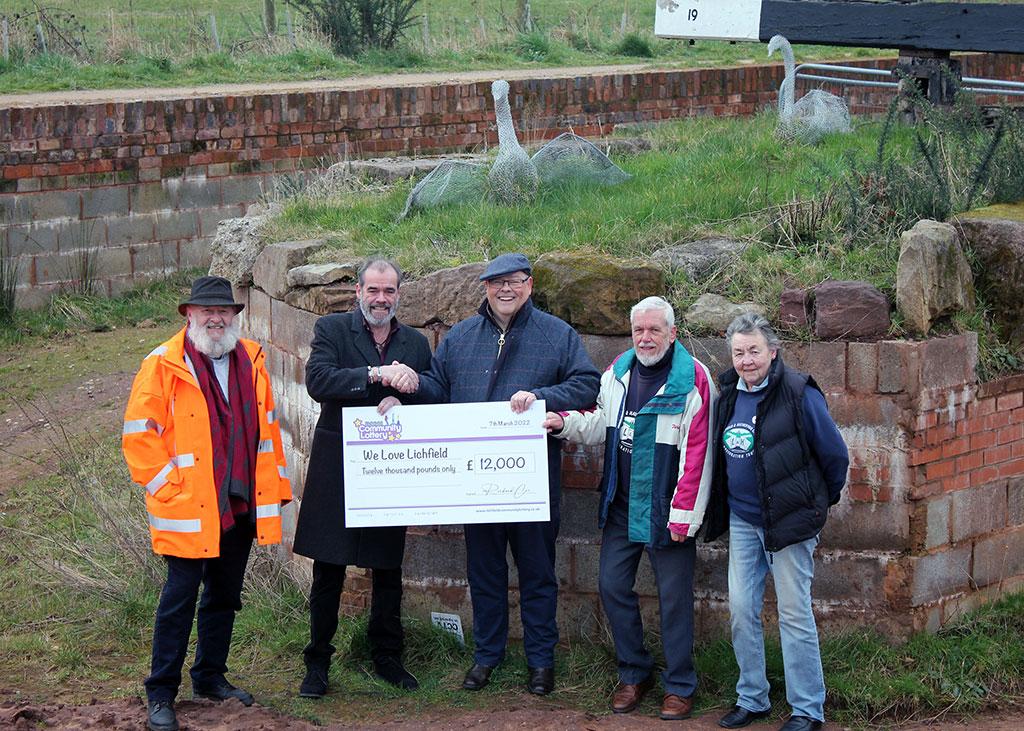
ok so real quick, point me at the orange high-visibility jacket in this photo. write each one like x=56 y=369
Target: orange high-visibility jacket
x=169 y=451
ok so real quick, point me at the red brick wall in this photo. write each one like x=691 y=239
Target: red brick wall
x=147 y=182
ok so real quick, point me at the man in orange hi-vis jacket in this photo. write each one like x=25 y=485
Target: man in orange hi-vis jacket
x=201 y=436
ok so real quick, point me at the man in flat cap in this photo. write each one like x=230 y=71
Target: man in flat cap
x=201 y=436
x=512 y=352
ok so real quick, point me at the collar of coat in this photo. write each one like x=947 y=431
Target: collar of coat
x=521 y=315
x=776 y=372
x=672 y=399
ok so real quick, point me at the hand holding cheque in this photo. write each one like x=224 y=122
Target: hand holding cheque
x=448 y=463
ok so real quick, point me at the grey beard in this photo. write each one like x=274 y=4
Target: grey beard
x=376 y=321
x=652 y=359
x=210 y=347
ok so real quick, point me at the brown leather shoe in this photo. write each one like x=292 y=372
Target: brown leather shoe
x=627 y=697
x=675 y=708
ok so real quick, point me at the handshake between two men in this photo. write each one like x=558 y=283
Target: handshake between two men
x=405 y=380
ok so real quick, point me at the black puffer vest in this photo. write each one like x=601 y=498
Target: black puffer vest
x=794 y=496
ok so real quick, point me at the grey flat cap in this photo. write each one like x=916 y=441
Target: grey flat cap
x=506 y=264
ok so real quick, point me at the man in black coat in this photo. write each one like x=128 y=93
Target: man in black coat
x=358 y=358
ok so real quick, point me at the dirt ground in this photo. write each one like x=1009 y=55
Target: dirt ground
x=130 y=715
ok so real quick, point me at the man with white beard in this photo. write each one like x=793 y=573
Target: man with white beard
x=654 y=417
x=201 y=436
x=359 y=358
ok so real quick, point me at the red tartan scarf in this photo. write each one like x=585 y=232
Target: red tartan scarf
x=234 y=430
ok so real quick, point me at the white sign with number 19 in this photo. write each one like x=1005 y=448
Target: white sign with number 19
x=724 y=20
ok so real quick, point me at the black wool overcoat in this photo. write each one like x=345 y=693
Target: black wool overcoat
x=336 y=377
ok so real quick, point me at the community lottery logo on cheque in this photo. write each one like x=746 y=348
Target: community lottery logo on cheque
x=738 y=440
x=378 y=430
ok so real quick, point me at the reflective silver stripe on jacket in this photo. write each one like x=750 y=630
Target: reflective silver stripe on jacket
x=159 y=350
x=171 y=525
x=282 y=472
x=270 y=417
x=268 y=511
x=182 y=460
x=267 y=445
x=135 y=426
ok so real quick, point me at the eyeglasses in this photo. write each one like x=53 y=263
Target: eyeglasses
x=499 y=284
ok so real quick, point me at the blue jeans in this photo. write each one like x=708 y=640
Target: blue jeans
x=673 y=574
x=792 y=569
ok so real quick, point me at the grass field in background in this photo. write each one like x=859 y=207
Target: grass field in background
x=132 y=43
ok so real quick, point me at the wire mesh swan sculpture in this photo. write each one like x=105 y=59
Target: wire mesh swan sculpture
x=514 y=177
x=816 y=114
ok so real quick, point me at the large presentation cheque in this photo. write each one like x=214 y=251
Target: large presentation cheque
x=450 y=463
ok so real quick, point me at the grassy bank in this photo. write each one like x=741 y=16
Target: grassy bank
x=135 y=43
x=80 y=588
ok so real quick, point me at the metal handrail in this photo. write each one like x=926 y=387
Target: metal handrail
x=1013 y=88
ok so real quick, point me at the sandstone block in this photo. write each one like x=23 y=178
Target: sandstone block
x=579 y=516
x=151 y=197
x=938 y=574
x=172 y=225
x=446 y=296
x=105 y=201
x=1015 y=501
x=270 y=272
x=309 y=275
x=714 y=312
x=795 y=308
x=198 y=193
x=603 y=349
x=238 y=242
x=998 y=244
x=323 y=300
x=594 y=293
x=933 y=278
x=949 y=362
x=702 y=258
x=862 y=367
x=33 y=238
x=194 y=254
x=131 y=229
x=850 y=311
x=291 y=329
x=999 y=557
x=978 y=510
x=850 y=578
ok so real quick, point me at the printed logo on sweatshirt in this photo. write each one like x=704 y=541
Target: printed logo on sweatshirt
x=738 y=440
x=626 y=432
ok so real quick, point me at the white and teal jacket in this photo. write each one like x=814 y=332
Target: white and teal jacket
x=670 y=476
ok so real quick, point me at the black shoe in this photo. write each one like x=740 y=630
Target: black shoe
x=223 y=692
x=477 y=677
x=314 y=685
x=160 y=716
x=541 y=680
x=801 y=723
x=739 y=717
x=390 y=669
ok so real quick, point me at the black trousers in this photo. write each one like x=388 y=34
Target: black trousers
x=221 y=578
x=385 y=628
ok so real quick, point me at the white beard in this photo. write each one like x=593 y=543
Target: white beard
x=649 y=360
x=210 y=347
x=377 y=321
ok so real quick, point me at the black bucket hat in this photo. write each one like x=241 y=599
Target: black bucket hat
x=211 y=292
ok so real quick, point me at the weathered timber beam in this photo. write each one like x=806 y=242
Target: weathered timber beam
x=997 y=28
